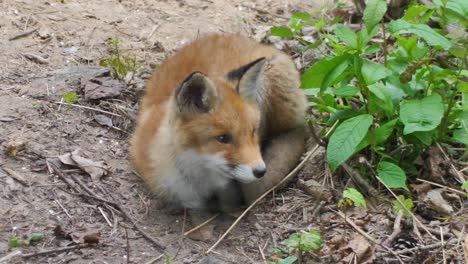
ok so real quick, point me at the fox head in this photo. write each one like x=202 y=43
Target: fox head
x=218 y=118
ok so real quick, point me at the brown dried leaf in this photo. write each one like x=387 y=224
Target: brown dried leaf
x=90 y=237
x=435 y=162
x=13 y=147
x=361 y=249
x=420 y=189
x=204 y=233
x=438 y=203
x=96 y=169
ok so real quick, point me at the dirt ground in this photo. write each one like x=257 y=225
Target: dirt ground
x=65 y=42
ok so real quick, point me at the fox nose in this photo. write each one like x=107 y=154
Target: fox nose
x=259 y=171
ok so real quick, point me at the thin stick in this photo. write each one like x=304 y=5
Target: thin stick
x=105 y=216
x=261 y=253
x=54 y=250
x=128 y=245
x=89 y=108
x=24 y=34
x=396 y=229
x=366 y=162
x=201 y=225
x=155 y=259
x=114 y=204
x=414 y=249
x=363 y=233
x=63 y=208
x=457 y=173
x=290 y=175
x=442 y=186
x=13 y=174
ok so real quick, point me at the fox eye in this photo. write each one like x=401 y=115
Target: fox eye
x=224 y=139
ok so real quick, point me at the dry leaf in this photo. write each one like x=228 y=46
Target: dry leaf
x=204 y=233
x=361 y=249
x=96 y=169
x=438 y=203
x=435 y=162
x=13 y=147
x=420 y=189
x=91 y=237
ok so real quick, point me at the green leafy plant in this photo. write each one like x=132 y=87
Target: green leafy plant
x=119 y=64
x=392 y=99
x=405 y=204
x=70 y=97
x=351 y=197
x=14 y=242
x=298 y=244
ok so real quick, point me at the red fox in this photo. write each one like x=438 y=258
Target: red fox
x=221 y=121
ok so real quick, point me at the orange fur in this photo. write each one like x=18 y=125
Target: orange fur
x=162 y=134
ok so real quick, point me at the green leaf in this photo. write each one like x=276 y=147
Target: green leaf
x=421 y=114
x=344 y=114
x=346 y=35
x=460 y=136
x=14 y=242
x=168 y=259
x=465 y=186
x=293 y=241
x=458 y=6
x=373 y=72
x=70 y=97
x=403 y=204
x=346 y=138
x=346 y=91
x=325 y=72
x=36 y=237
x=423 y=31
x=392 y=175
x=355 y=196
x=374 y=12
x=424 y=136
x=310 y=241
x=288 y=260
x=383 y=132
x=283 y=32
x=381 y=92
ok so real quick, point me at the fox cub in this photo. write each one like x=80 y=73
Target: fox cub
x=221 y=121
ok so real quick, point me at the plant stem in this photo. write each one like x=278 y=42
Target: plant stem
x=385 y=51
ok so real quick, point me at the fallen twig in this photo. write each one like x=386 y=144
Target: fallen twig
x=454 y=170
x=155 y=259
x=396 y=229
x=357 y=178
x=89 y=108
x=285 y=179
x=24 y=34
x=201 y=225
x=116 y=205
x=36 y=58
x=53 y=250
x=13 y=174
x=414 y=249
x=363 y=233
x=369 y=166
x=442 y=186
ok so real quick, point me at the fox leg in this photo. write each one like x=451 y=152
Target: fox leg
x=281 y=154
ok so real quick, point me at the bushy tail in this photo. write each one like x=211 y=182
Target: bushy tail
x=280 y=155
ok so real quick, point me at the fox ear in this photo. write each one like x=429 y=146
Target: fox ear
x=249 y=79
x=196 y=94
